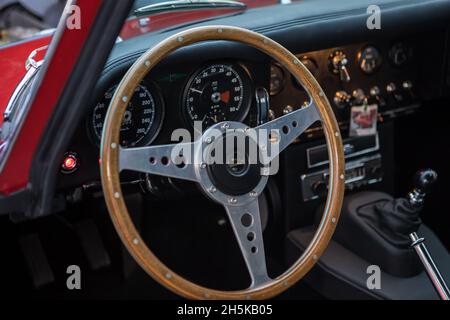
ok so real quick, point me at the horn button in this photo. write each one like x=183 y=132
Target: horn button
x=233 y=164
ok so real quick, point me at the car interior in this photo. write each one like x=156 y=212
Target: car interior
x=388 y=87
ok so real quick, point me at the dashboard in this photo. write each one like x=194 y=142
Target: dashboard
x=200 y=92
x=224 y=90
x=211 y=82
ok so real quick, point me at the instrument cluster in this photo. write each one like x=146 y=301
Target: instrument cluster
x=216 y=92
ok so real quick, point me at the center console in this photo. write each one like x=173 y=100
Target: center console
x=393 y=74
x=397 y=75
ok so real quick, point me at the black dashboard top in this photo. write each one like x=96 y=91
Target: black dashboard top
x=310 y=25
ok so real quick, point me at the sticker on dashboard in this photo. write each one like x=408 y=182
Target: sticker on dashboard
x=363 y=120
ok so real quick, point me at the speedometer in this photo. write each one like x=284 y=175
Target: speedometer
x=142 y=118
x=216 y=93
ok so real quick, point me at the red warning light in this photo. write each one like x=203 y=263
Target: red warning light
x=70 y=163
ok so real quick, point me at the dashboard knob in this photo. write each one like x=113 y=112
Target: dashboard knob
x=375 y=91
x=376 y=96
x=341 y=99
x=391 y=87
x=408 y=88
x=288 y=109
x=338 y=65
x=375 y=171
x=407 y=85
x=358 y=96
x=319 y=187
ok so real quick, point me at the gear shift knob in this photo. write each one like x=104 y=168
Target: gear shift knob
x=423 y=183
x=424 y=180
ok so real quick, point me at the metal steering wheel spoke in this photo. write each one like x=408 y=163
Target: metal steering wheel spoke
x=165 y=160
x=246 y=223
x=284 y=130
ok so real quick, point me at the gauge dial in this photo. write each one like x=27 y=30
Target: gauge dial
x=369 y=59
x=400 y=54
x=277 y=79
x=141 y=121
x=217 y=93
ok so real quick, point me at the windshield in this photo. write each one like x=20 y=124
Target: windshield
x=25 y=19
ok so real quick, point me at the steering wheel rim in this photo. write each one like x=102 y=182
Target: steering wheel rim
x=114 y=159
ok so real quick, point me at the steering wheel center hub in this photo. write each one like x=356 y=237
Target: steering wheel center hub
x=232 y=161
x=237 y=168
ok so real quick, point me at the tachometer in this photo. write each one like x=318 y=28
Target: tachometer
x=142 y=119
x=217 y=93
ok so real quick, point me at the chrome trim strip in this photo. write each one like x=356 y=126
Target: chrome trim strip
x=32 y=71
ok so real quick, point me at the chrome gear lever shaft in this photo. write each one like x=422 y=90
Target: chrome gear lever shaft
x=423 y=182
x=430 y=267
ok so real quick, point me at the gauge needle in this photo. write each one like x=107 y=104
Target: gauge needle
x=195 y=90
x=225 y=97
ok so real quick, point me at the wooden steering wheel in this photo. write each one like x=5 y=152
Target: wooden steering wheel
x=160 y=160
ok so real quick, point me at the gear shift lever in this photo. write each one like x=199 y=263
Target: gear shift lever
x=423 y=182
